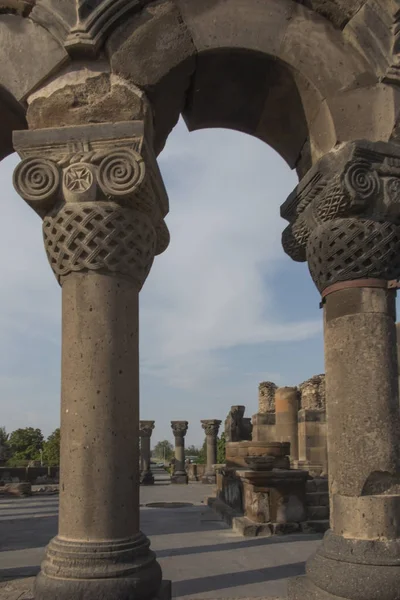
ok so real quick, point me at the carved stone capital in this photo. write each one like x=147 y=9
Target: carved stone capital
x=179 y=428
x=345 y=215
x=211 y=427
x=100 y=193
x=146 y=428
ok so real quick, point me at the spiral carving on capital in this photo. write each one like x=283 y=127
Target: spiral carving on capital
x=344 y=217
x=37 y=180
x=101 y=197
x=121 y=172
x=179 y=428
x=211 y=427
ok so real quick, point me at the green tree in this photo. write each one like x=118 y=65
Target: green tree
x=163 y=450
x=192 y=451
x=221 y=450
x=51 y=449
x=4 y=445
x=25 y=445
x=202 y=456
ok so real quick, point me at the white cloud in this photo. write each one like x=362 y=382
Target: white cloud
x=211 y=289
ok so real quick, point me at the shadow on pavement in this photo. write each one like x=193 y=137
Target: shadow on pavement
x=20 y=534
x=239 y=545
x=18 y=573
x=189 y=587
x=158 y=521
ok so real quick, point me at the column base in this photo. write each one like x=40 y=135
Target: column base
x=350 y=569
x=121 y=570
x=301 y=588
x=209 y=478
x=146 y=478
x=180 y=478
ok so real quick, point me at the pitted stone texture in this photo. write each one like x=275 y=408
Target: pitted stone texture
x=313 y=393
x=38 y=54
x=339 y=12
x=100 y=98
x=164 y=61
x=266 y=397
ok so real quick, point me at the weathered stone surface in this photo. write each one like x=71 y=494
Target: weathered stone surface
x=41 y=53
x=286 y=410
x=89 y=185
x=348 y=199
x=339 y=12
x=81 y=98
x=313 y=393
x=164 y=60
x=266 y=397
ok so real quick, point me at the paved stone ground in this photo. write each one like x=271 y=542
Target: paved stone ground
x=196 y=550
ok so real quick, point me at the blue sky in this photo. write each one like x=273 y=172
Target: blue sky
x=223 y=308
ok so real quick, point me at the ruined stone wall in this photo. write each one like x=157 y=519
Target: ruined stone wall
x=266 y=397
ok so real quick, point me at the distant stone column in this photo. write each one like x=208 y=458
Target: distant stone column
x=145 y=431
x=211 y=427
x=312 y=425
x=286 y=410
x=179 y=429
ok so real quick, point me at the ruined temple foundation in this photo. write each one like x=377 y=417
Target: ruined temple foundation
x=257 y=493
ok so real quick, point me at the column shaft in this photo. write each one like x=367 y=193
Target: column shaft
x=362 y=406
x=146 y=453
x=179 y=455
x=286 y=424
x=211 y=454
x=100 y=398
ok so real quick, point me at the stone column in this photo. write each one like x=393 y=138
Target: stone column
x=286 y=410
x=312 y=426
x=145 y=431
x=345 y=222
x=102 y=200
x=179 y=429
x=211 y=427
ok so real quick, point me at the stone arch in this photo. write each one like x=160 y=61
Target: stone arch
x=191 y=53
x=98 y=187
x=28 y=55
